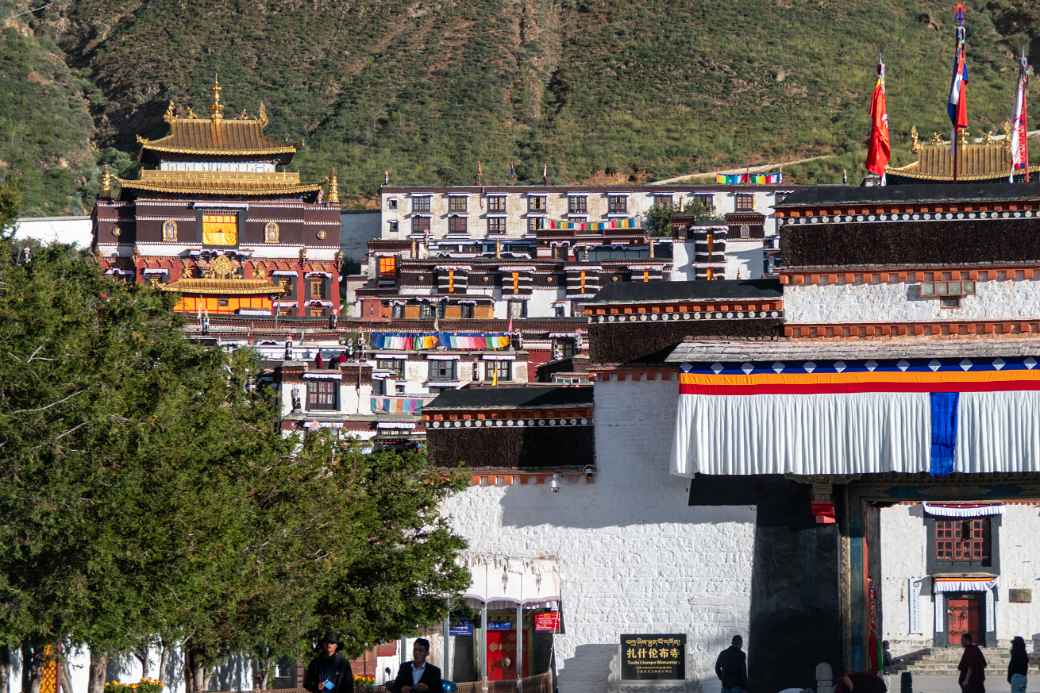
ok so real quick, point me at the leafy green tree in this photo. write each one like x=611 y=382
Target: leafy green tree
x=10 y=203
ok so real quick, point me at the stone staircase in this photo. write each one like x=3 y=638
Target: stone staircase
x=944 y=660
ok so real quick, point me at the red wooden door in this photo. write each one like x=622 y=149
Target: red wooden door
x=501 y=655
x=964 y=615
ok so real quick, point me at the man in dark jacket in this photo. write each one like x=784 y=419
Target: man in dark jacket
x=329 y=672
x=972 y=667
x=731 y=667
x=418 y=676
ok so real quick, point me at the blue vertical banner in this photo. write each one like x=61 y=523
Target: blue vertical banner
x=944 y=432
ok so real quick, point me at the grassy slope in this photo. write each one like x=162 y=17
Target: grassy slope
x=425 y=88
x=45 y=125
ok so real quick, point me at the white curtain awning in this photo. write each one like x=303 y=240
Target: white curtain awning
x=968 y=585
x=963 y=510
x=521 y=581
x=322 y=376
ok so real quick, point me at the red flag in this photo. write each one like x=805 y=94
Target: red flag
x=1020 y=121
x=879 y=148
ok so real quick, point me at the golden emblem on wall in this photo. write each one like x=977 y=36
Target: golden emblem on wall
x=116 y=231
x=219 y=228
x=169 y=230
x=271 y=232
x=321 y=235
x=221 y=268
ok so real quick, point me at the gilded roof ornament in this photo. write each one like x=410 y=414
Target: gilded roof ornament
x=171 y=112
x=333 y=196
x=191 y=114
x=216 y=108
x=937 y=138
x=106 y=181
x=1007 y=133
x=915 y=141
x=262 y=118
x=989 y=137
x=220 y=268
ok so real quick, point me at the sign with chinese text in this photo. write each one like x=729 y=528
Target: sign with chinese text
x=649 y=657
x=460 y=627
x=500 y=623
x=547 y=622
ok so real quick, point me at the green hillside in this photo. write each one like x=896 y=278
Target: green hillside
x=425 y=88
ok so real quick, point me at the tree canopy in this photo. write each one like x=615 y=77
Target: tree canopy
x=148 y=492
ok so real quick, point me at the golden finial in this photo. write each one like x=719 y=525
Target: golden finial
x=191 y=113
x=106 y=182
x=262 y=118
x=171 y=112
x=937 y=138
x=962 y=136
x=243 y=115
x=989 y=137
x=216 y=108
x=1007 y=133
x=915 y=141
x=333 y=196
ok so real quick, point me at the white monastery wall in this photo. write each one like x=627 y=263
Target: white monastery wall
x=904 y=544
x=1019 y=569
x=72 y=230
x=904 y=541
x=744 y=259
x=634 y=556
x=993 y=300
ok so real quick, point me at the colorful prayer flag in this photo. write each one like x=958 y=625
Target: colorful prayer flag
x=957 y=104
x=1020 y=121
x=879 y=147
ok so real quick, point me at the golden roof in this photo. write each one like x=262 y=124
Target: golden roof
x=216 y=135
x=229 y=286
x=988 y=159
x=220 y=182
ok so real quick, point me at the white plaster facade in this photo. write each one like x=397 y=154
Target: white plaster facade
x=903 y=558
x=902 y=302
x=75 y=231
x=401 y=205
x=634 y=557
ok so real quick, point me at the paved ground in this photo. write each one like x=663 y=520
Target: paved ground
x=924 y=683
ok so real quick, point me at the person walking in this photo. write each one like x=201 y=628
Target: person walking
x=731 y=667
x=418 y=676
x=972 y=667
x=1018 y=667
x=329 y=671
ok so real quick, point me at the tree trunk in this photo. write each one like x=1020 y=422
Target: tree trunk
x=32 y=664
x=164 y=658
x=65 y=676
x=141 y=653
x=261 y=672
x=98 y=672
x=194 y=672
x=5 y=669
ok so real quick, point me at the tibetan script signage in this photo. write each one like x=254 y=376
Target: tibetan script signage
x=1020 y=596
x=460 y=627
x=547 y=622
x=649 y=657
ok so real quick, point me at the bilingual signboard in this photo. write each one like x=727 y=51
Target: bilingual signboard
x=653 y=657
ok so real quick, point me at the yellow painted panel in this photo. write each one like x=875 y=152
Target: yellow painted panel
x=219 y=229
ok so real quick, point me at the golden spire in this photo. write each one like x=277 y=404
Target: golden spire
x=216 y=108
x=333 y=197
x=106 y=182
x=171 y=112
x=262 y=117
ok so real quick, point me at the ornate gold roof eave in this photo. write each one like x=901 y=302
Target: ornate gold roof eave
x=154 y=146
x=231 y=287
x=217 y=190
x=908 y=171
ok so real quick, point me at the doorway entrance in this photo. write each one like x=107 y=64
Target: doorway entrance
x=964 y=615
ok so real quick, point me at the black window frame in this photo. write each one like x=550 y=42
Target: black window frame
x=617 y=204
x=427 y=311
x=537 y=203
x=443 y=370
x=466 y=310
x=458 y=204
x=396 y=366
x=421 y=205
x=989 y=564
x=496 y=203
x=493 y=222
x=535 y=224
x=319 y=391
x=492 y=365
x=454 y=224
x=744 y=202
x=420 y=224
x=578 y=204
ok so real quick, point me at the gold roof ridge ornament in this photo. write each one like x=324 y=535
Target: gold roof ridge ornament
x=216 y=108
x=106 y=182
x=985 y=158
x=333 y=196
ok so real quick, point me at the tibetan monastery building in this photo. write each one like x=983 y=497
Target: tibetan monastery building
x=981 y=160
x=213 y=218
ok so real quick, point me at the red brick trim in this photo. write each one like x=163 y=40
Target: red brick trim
x=912 y=329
